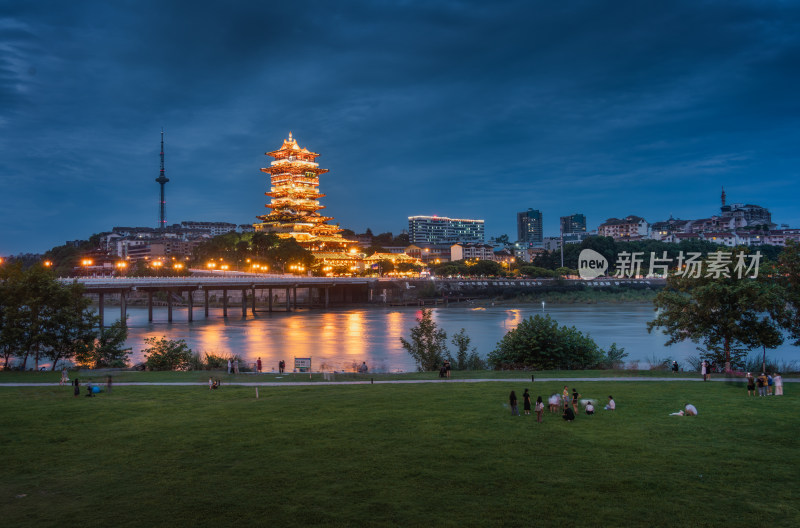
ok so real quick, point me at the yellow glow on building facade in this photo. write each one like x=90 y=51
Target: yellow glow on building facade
x=294 y=179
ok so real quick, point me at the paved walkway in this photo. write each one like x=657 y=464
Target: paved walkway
x=379 y=382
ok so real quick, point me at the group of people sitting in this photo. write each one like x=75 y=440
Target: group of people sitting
x=567 y=403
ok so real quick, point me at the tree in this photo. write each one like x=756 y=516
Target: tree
x=788 y=273
x=724 y=313
x=288 y=251
x=166 y=354
x=614 y=357
x=467 y=357
x=70 y=326
x=385 y=266
x=12 y=320
x=540 y=343
x=484 y=268
x=428 y=343
x=108 y=348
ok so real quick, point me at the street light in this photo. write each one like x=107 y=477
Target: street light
x=47 y=263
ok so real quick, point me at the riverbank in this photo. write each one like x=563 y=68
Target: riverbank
x=100 y=376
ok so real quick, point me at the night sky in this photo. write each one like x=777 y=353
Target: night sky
x=455 y=108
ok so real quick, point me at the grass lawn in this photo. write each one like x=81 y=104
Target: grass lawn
x=445 y=454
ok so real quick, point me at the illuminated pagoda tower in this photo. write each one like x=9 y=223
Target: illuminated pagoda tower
x=294 y=177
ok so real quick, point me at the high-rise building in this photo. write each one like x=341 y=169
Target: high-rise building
x=294 y=178
x=573 y=224
x=529 y=227
x=443 y=230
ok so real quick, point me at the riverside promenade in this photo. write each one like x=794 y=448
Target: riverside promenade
x=386 y=382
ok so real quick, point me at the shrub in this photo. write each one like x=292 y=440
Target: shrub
x=167 y=354
x=540 y=343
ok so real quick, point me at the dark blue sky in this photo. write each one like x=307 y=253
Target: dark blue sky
x=456 y=108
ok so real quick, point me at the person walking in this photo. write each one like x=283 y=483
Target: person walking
x=575 y=397
x=539 y=408
x=512 y=400
x=447 y=368
x=526 y=402
x=64 y=377
x=751 y=385
x=258 y=366
x=704 y=370
x=229 y=365
x=236 y=366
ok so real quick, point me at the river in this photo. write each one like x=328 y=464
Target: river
x=338 y=339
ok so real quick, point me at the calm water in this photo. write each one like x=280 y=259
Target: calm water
x=337 y=339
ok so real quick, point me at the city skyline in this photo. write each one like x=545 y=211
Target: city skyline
x=457 y=109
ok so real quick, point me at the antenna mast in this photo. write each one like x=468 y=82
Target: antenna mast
x=162 y=179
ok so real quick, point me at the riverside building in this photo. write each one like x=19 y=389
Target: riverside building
x=443 y=230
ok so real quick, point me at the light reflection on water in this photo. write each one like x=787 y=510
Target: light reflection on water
x=338 y=339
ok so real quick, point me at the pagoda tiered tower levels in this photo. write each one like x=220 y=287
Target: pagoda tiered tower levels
x=294 y=178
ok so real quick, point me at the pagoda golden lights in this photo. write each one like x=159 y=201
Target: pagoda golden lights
x=294 y=178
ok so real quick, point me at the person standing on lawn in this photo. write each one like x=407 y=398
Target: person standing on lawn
x=575 y=397
x=539 y=408
x=512 y=400
x=526 y=402
x=778 y=381
x=751 y=385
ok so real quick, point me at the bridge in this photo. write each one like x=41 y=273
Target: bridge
x=321 y=291
x=327 y=290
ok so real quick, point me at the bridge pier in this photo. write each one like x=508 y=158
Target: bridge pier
x=123 y=307
x=101 y=307
x=205 y=297
x=150 y=306
x=244 y=303
x=254 y=301
x=224 y=303
x=269 y=291
x=294 y=292
x=327 y=296
x=169 y=306
x=288 y=300
x=191 y=304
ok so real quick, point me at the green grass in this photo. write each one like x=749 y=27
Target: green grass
x=441 y=454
